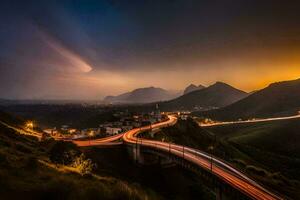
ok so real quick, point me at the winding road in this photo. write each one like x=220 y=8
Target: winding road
x=202 y=159
x=218 y=167
x=111 y=140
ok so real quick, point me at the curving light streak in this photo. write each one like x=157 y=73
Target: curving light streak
x=71 y=57
x=217 y=167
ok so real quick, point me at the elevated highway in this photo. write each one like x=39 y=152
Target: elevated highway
x=203 y=160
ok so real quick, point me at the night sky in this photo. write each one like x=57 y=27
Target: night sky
x=90 y=49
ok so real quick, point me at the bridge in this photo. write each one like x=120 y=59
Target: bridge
x=187 y=157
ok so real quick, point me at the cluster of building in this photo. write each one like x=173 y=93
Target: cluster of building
x=126 y=121
x=183 y=115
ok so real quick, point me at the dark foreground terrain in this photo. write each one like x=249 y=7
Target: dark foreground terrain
x=27 y=173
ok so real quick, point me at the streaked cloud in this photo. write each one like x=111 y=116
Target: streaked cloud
x=70 y=57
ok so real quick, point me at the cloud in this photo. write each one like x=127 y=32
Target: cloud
x=70 y=57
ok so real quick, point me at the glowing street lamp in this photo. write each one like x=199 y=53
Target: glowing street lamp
x=211 y=148
x=91 y=134
x=29 y=125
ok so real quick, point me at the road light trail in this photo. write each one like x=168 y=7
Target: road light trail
x=219 y=168
x=250 y=121
x=111 y=140
x=101 y=141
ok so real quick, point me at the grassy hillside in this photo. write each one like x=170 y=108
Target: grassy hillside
x=273 y=149
x=280 y=137
x=27 y=173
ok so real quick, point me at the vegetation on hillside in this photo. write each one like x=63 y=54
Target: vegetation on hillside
x=26 y=172
x=273 y=151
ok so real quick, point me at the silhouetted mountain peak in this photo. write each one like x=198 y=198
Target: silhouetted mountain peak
x=151 y=88
x=217 y=95
x=192 y=87
x=220 y=84
x=142 y=95
x=278 y=99
x=285 y=83
x=201 y=86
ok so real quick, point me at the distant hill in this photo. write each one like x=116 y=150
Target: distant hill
x=142 y=95
x=278 y=99
x=10 y=119
x=217 y=95
x=192 y=88
x=4 y=101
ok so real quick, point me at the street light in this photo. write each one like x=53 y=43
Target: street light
x=91 y=134
x=29 y=125
x=211 y=148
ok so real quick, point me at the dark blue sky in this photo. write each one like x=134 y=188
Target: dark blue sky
x=89 y=49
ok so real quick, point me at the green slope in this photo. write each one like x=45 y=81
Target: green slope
x=273 y=149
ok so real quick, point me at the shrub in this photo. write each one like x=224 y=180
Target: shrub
x=64 y=153
x=85 y=166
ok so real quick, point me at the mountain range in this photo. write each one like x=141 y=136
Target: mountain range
x=278 y=99
x=142 y=95
x=149 y=95
x=215 y=96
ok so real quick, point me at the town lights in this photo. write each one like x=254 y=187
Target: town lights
x=29 y=125
x=91 y=134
